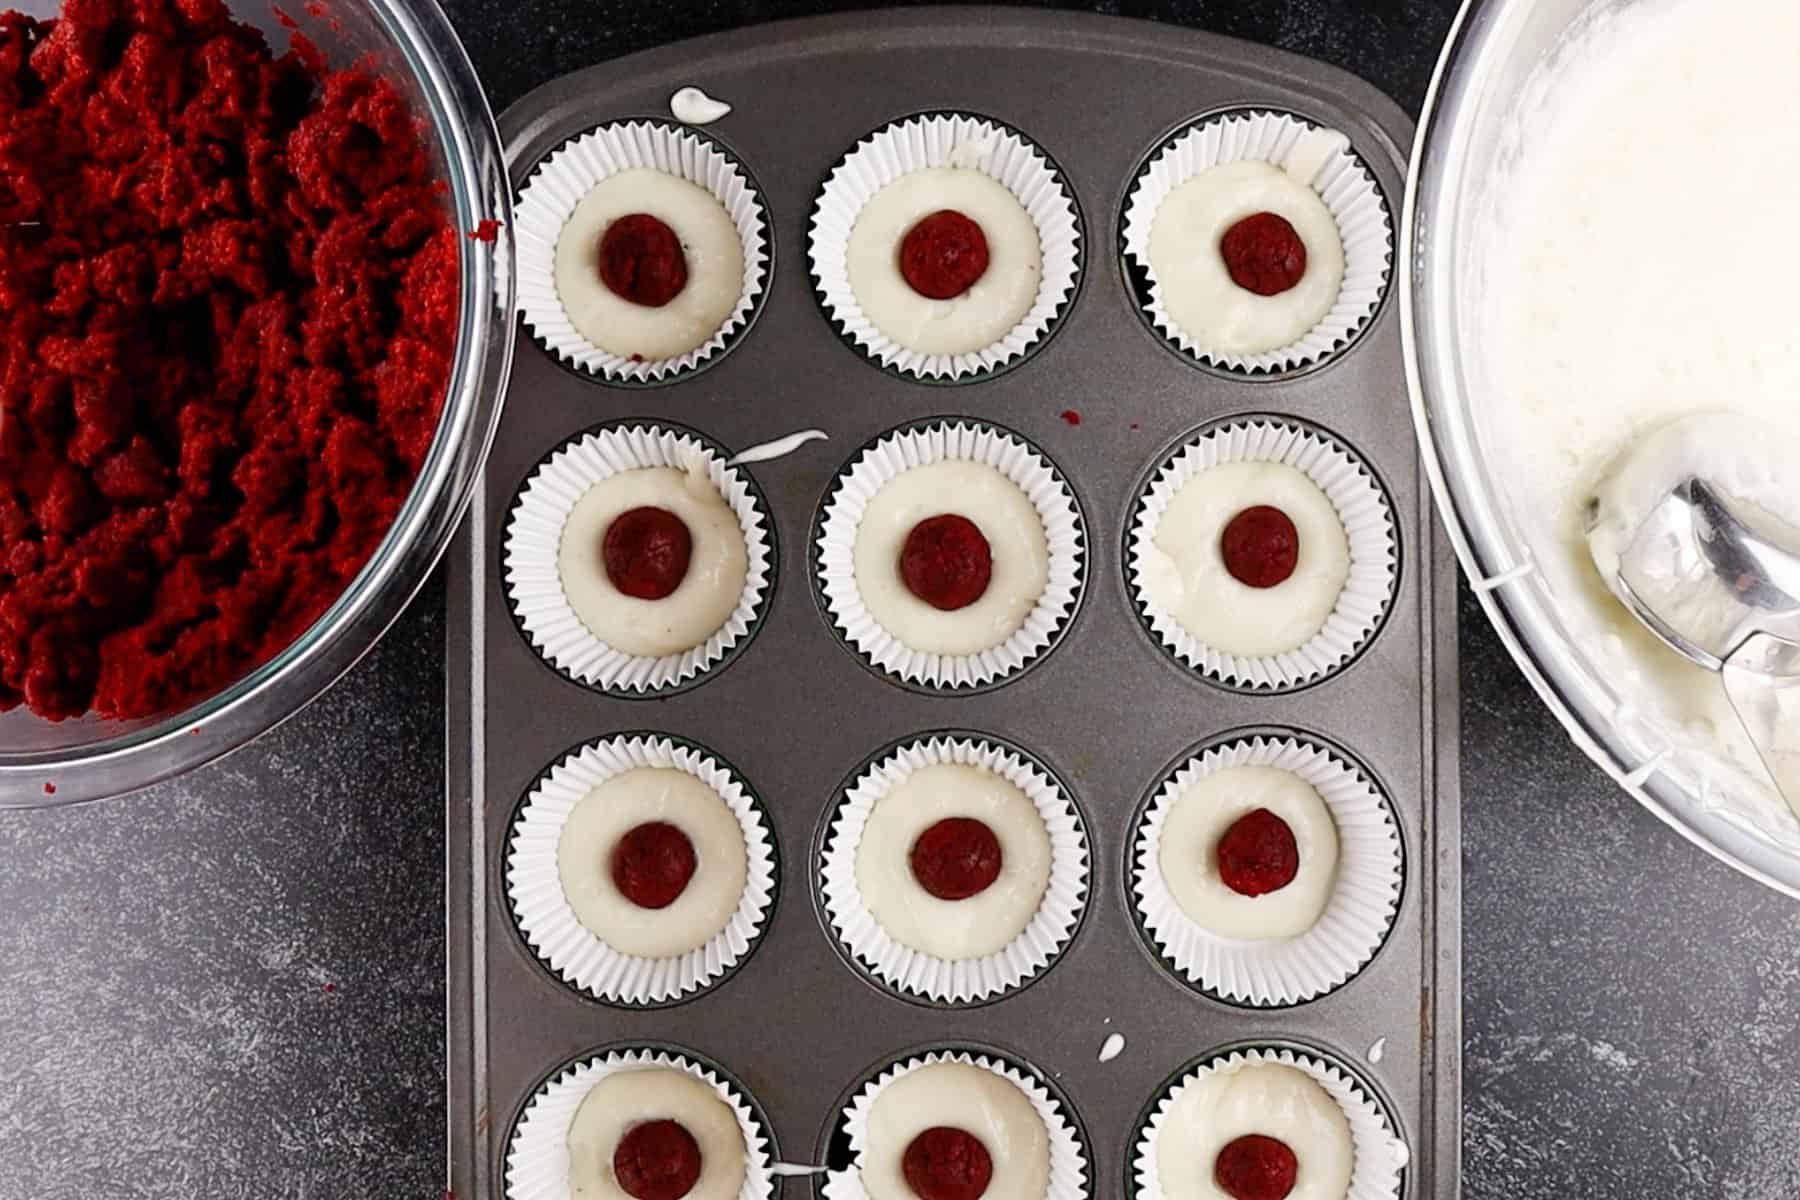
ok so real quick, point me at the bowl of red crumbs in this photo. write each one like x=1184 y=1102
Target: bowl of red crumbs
x=255 y=323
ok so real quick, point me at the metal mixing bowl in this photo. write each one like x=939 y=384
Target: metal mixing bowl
x=1493 y=49
x=87 y=758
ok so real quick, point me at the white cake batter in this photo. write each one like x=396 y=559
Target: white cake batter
x=1635 y=264
x=1185 y=575
x=709 y=591
x=972 y=1099
x=630 y=1098
x=1189 y=274
x=953 y=929
x=1188 y=855
x=1016 y=540
x=616 y=807
x=709 y=242
x=962 y=324
x=1274 y=1100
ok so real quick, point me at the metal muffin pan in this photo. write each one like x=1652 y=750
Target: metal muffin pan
x=1107 y=711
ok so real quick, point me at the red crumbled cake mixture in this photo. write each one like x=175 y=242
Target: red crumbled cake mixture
x=1255 y=1167
x=944 y=255
x=1264 y=254
x=1258 y=854
x=946 y=562
x=658 y=1160
x=652 y=864
x=1071 y=417
x=487 y=230
x=641 y=260
x=1260 y=546
x=947 y=1164
x=228 y=303
x=956 y=858
x=646 y=552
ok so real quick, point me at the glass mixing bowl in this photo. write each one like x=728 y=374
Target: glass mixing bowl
x=413 y=43
x=1493 y=49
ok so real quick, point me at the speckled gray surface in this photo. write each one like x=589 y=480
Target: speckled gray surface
x=231 y=986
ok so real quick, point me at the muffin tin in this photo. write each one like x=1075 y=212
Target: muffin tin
x=798 y=711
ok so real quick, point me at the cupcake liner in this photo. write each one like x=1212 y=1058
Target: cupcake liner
x=912 y=972
x=1356 y=920
x=575 y=953
x=932 y=442
x=537 y=1160
x=559 y=184
x=946 y=140
x=1068 y=1153
x=534 y=533
x=1381 y=1154
x=1342 y=181
x=1368 y=522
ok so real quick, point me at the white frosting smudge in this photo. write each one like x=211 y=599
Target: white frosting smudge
x=1378 y=1050
x=692 y=106
x=780 y=447
x=1112 y=1047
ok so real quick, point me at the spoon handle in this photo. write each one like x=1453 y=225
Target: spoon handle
x=1762 y=678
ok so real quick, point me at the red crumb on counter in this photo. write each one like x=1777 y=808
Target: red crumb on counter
x=49 y=789
x=1071 y=417
x=228 y=301
x=487 y=230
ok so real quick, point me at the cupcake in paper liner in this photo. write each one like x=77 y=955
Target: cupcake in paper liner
x=644 y=249
x=949 y=555
x=936 y=1113
x=1263 y=554
x=1260 y=242
x=945 y=247
x=636 y=560
x=955 y=869
x=641 y=869
x=608 y=1117
x=1267 y=870
x=1268 y=1112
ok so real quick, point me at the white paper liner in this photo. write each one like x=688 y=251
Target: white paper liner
x=559 y=184
x=1068 y=1157
x=534 y=536
x=915 y=972
x=934 y=442
x=537 y=1161
x=945 y=140
x=1379 y=1152
x=1346 y=186
x=1361 y=506
x=1357 y=917
x=577 y=954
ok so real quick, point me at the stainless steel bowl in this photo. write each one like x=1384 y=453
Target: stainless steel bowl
x=88 y=758
x=1493 y=50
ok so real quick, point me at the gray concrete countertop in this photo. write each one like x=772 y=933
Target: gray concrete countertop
x=232 y=985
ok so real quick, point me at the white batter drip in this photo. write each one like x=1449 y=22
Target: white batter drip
x=1272 y=1099
x=953 y=929
x=627 y=1099
x=691 y=106
x=1016 y=540
x=619 y=805
x=707 y=595
x=709 y=242
x=1188 y=854
x=980 y=316
x=1185 y=575
x=1189 y=273
x=975 y=1100
x=1633 y=264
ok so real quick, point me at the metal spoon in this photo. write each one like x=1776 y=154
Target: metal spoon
x=1718 y=579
